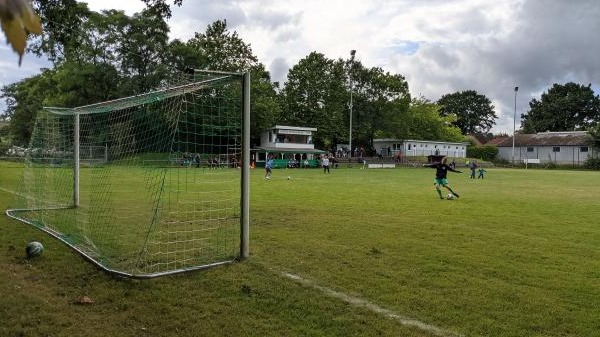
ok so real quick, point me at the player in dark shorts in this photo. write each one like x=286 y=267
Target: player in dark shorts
x=440 y=176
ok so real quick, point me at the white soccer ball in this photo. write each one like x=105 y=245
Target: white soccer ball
x=289 y=178
x=450 y=196
x=34 y=249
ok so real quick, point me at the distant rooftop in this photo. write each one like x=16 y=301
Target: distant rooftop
x=565 y=138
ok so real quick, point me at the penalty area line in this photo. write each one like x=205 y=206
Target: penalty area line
x=11 y=192
x=359 y=302
x=16 y=193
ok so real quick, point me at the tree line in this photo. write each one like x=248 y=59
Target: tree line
x=100 y=56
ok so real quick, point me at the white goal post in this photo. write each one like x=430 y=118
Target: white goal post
x=107 y=180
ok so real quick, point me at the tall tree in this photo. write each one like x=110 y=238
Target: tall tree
x=265 y=105
x=381 y=101
x=142 y=48
x=474 y=112
x=315 y=96
x=425 y=122
x=63 y=30
x=564 y=107
x=222 y=49
x=161 y=7
x=24 y=99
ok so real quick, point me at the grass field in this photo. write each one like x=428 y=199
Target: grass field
x=353 y=253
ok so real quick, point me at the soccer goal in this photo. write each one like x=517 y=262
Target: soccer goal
x=133 y=184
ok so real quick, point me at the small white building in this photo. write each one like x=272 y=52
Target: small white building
x=291 y=146
x=566 y=148
x=413 y=148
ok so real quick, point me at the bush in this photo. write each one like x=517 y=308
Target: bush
x=592 y=164
x=485 y=152
x=4 y=149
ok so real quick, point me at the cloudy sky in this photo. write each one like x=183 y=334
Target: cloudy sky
x=440 y=46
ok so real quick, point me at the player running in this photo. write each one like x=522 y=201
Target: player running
x=440 y=176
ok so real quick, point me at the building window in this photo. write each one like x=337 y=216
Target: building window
x=583 y=149
x=530 y=149
x=556 y=149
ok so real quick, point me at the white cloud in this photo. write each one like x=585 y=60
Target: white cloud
x=440 y=46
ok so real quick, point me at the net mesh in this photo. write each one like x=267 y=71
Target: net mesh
x=159 y=179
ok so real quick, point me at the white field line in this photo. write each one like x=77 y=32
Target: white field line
x=11 y=192
x=359 y=302
x=17 y=193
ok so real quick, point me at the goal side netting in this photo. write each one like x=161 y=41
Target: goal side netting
x=146 y=185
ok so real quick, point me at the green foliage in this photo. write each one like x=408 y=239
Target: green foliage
x=381 y=102
x=594 y=132
x=24 y=99
x=3 y=148
x=222 y=49
x=161 y=7
x=485 y=152
x=423 y=121
x=64 y=30
x=314 y=95
x=564 y=107
x=265 y=105
x=474 y=112
x=592 y=164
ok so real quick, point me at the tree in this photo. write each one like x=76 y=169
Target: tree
x=381 y=100
x=161 y=7
x=219 y=49
x=223 y=50
x=595 y=139
x=474 y=112
x=564 y=107
x=63 y=30
x=424 y=121
x=265 y=106
x=24 y=99
x=142 y=46
x=315 y=96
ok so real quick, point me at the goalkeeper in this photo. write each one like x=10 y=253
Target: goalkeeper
x=440 y=176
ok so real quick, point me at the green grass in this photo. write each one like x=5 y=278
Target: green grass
x=516 y=255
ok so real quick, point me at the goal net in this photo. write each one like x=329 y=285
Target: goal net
x=146 y=185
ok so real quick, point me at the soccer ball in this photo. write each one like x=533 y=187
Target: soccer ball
x=34 y=249
x=450 y=196
x=289 y=178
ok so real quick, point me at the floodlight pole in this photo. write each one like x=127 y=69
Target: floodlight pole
x=352 y=53
x=514 y=127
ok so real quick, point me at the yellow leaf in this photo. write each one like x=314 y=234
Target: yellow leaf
x=18 y=20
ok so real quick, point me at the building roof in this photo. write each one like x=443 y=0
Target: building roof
x=300 y=128
x=381 y=140
x=498 y=140
x=286 y=150
x=568 y=138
